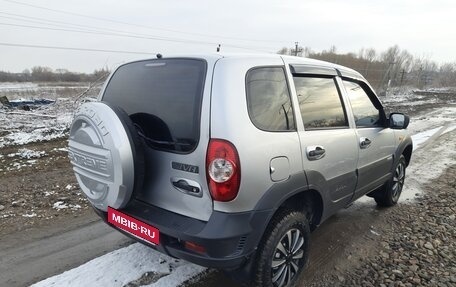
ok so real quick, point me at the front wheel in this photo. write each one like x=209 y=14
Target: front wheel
x=283 y=252
x=392 y=190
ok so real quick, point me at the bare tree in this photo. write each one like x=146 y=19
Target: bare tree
x=284 y=51
x=447 y=75
x=371 y=54
x=307 y=51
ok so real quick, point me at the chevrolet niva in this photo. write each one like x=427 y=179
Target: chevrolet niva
x=229 y=161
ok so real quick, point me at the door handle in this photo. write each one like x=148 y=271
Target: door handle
x=187 y=186
x=364 y=142
x=315 y=152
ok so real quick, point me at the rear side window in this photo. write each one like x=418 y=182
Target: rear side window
x=163 y=98
x=320 y=103
x=268 y=99
x=364 y=111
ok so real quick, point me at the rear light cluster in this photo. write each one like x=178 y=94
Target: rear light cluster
x=195 y=247
x=223 y=170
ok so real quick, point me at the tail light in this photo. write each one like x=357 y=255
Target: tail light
x=223 y=170
x=194 y=247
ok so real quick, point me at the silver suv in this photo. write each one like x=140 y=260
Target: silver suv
x=229 y=161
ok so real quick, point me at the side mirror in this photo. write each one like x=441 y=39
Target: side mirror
x=398 y=121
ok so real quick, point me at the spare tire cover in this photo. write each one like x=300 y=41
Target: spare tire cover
x=102 y=154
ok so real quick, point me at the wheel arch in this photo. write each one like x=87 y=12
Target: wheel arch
x=408 y=153
x=301 y=198
x=309 y=201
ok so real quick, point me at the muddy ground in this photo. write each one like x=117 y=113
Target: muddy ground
x=39 y=190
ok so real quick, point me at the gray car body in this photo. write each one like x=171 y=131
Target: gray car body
x=275 y=166
x=345 y=173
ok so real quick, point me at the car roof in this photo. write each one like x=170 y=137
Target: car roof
x=288 y=60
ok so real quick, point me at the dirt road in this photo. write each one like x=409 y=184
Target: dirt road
x=30 y=256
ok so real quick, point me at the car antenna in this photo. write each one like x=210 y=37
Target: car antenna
x=159 y=56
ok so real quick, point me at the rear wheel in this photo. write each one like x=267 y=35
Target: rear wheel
x=283 y=252
x=390 y=193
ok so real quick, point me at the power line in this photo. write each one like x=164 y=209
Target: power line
x=133 y=36
x=74 y=49
x=104 y=33
x=99 y=31
x=139 y=25
x=61 y=24
x=44 y=21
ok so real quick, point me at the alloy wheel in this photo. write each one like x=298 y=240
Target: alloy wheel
x=286 y=258
x=398 y=181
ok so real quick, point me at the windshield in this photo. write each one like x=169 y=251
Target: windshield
x=163 y=98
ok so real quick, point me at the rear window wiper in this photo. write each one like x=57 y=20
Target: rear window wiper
x=162 y=142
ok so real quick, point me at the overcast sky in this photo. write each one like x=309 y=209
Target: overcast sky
x=423 y=27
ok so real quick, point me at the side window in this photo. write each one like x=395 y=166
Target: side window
x=320 y=103
x=365 y=113
x=268 y=99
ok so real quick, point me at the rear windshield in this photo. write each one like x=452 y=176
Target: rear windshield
x=163 y=98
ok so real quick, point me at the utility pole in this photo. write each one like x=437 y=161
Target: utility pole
x=402 y=76
x=420 y=75
x=386 y=81
x=296 y=50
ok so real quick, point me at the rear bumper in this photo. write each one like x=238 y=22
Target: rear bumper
x=228 y=238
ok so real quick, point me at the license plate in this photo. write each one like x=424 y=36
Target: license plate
x=133 y=226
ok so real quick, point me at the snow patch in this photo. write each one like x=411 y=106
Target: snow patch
x=46 y=122
x=428 y=164
x=7 y=215
x=75 y=206
x=450 y=129
x=420 y=138
x=120 y=267
x=29 y=154
x=6 y=86
x=16 y=165
x=436 y=118
x=36 y=135
x=374 y=232
x=424 y=168
x=33 y=214
x=47 y=193
x=60 y=205
x=62 y=149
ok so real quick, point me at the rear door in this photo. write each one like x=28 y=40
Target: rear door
x=328 y=144
x=168 y=101
x=375 y=140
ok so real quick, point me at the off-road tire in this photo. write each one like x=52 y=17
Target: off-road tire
x=282 y=223
x=389 y=194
